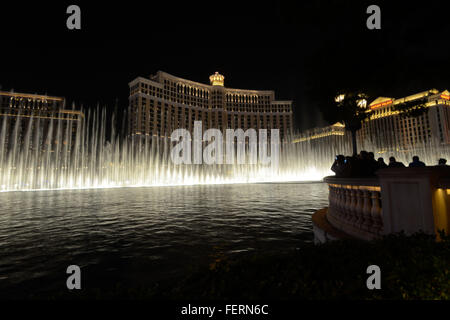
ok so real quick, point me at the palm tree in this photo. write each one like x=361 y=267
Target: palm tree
x=352 y=111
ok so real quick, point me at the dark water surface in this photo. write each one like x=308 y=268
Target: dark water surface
x=145 y=234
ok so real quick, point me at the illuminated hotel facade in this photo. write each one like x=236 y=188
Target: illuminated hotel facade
x=387 y=130
x=334 y=131
x=163 y=103
x=23 y=114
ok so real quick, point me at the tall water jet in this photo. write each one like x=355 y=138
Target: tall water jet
x=76 y=154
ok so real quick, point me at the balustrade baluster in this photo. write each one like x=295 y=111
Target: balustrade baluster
x=339 y=203
x=331 y=208
x=353 y=206
x=367 y=207
x=356 y=210
x=359 y=209
x=347 y=206
x=376 y=213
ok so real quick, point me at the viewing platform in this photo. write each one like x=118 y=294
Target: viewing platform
x=395 y=200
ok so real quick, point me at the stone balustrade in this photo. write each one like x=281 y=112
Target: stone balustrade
x=405 y=200
x=355 y=206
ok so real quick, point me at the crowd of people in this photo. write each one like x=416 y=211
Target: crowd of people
x=364 y=164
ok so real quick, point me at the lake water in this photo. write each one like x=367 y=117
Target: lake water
x=131 y=234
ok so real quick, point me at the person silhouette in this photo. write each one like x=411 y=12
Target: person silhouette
x=442 y=162
x=416 y=162
x=381 y=163
x=394 y=164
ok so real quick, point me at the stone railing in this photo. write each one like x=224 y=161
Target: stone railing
x=405 y=200
x=355 y=206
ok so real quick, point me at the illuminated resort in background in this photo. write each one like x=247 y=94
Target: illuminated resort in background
x=44 y=145
x=387 y=130
x=25 y=120
x=387 y=133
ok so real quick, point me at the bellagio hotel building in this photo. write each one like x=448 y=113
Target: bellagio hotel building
x=163 y=103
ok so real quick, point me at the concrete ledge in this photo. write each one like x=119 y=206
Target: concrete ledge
x=415 y=199
x=354 y=181
x=323 y=230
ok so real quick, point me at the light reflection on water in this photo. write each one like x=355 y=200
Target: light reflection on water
x=166 y=228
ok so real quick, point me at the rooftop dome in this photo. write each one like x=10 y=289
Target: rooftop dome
x=216 y=79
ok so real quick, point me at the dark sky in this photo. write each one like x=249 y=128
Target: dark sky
x=304 y=50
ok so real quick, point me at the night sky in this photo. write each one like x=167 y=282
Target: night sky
x=304 y=50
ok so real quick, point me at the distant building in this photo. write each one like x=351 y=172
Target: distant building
x=163 y=103
x=387 y=130
x=321 y=133
x=323 y=143
x=36 y=120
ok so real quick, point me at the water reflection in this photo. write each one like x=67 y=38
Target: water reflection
x=167 y=229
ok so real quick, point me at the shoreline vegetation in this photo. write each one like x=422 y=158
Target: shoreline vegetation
x=413 y=267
